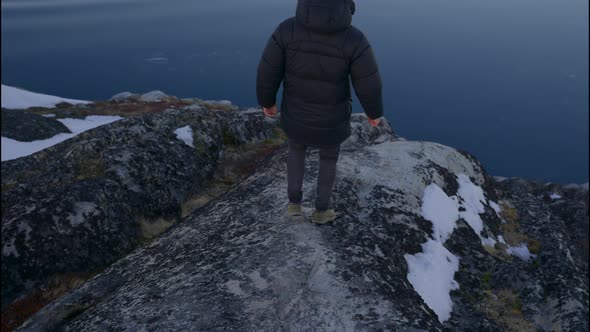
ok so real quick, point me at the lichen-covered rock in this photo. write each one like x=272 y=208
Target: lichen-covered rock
x=81 y=204
x=554 y=287
x=27 y=127
x=237 y=263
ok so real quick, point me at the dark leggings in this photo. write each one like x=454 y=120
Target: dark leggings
x=326 y=175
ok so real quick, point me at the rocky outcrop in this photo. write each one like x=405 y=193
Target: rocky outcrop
x=79 y=205
x=554 y=289
x=550 y=291
x=193 y=192
x=237 y=263
x=567 y=203
x=24 y=126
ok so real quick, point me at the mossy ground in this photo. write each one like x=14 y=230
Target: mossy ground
x=89 y=168
x=127 y=109
x=15 y=314
x=238 y=162
x=504 y=307
x=511 y=229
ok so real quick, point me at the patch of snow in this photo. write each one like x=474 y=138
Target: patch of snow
x=496 y=207
x=501 y=239
x=521 y=251
x=12 y=149
x=49 y=115
x=441 y=210
x=555 y=196
x=185 y=134
x=432 y=272
x=500 y=178
x=89 y=122
x=15 y=98
x=488 y=241
x=435 y=259
x=473 y=197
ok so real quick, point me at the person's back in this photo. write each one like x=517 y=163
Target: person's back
x=316 y=54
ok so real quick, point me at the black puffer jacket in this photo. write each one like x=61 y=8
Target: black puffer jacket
x=316 y=54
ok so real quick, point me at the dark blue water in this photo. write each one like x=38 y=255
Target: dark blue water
x=506 y=79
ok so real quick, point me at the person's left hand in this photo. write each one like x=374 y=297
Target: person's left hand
x=270 y=112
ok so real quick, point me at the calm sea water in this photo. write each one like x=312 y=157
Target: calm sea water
x=506 y=80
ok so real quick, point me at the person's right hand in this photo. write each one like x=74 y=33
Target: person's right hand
x=374 y=122
x=270 y=112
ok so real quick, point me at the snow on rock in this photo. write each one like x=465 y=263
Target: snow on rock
x=240 y=253
x=89 y=122
x=431 y=272
x=185 y=134
x=441 y=210
x=555 y=196
x=12 y=149
x=435 y=260
x=521 y=251
x=496 y=207
x=15 y=98
x=472 y=198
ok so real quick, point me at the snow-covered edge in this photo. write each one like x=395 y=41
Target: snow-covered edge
x=12 y=149
x=15 y=98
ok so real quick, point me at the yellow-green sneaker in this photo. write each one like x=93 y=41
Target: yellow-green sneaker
x=294 y=209
x=323 y=217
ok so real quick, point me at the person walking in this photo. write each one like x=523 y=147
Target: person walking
x=316 y=54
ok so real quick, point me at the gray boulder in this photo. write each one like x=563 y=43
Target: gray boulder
x=154 y=96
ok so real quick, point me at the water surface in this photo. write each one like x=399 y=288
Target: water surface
x=506 y=80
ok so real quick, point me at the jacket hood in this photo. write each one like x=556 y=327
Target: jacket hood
x=325 y=16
